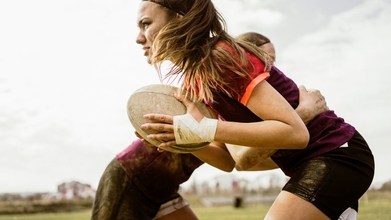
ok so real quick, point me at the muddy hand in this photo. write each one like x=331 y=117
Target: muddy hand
x=311 y=104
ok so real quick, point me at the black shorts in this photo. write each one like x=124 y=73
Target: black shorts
x=118 y=198
x=336 y=180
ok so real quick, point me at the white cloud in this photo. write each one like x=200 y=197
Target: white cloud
x=351 y=51
x=242 y=17
x=348 y=60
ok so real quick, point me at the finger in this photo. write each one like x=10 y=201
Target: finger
x=192 y=108
x=302 y=88
x=145 y=142
x=167 y=144
x=138 y=135
x=184 y=100
x=158 y=127
x=162 y=137
x=160 y=150
x=314 y=90
x=159 y=118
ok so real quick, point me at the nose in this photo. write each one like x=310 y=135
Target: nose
x=140 y=39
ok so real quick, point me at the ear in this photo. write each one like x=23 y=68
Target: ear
x=179 y=16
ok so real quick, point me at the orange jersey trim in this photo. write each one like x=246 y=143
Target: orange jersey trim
x=251 y=86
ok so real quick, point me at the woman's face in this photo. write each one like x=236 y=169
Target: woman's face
x=150 y=20
x=269 y=48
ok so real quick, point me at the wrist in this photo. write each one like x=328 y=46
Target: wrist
x=188 y=131
x=304 y=114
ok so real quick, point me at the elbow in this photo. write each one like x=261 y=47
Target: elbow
x=243 y=165
x=237 y=168
x=228 y=170
x=226 y=167
x=223 y=166
x=240 y=168
x=302 y=138
x=230 y=167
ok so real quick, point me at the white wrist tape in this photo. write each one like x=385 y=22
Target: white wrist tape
x=188 y=131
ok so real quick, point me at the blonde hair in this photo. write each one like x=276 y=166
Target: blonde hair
x=190 y=44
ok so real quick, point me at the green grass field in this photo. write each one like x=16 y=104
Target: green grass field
x=371 y=208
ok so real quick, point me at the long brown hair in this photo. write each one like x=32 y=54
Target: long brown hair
x=190 y=44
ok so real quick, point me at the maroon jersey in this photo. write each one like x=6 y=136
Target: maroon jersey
x=157 y=174
x=327 y=130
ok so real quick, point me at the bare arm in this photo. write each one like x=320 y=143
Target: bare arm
x=267 y=164
x=280 y=121
x=217 y=155
x=250 y=158
x=282 y=128
x=311 y=104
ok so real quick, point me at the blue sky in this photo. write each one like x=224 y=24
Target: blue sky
x=67 y=69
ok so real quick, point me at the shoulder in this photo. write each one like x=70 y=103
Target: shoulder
x=253 y=59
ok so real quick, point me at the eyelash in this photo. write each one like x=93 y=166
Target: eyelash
x=145 y=25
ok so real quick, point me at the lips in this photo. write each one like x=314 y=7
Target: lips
x=146 y=49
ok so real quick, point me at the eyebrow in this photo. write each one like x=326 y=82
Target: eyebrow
x=139 y=22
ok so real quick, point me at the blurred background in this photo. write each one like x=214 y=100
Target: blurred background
x=68 y=67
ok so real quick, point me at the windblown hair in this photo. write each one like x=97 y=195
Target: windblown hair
x=189 y=42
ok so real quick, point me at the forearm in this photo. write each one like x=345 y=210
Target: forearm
x=269 y=134
x=267 y=164
x=253 y=159
x=247 y=157
x=312 y=103
x=281 y=127
x=216 y=155
x=305 y=114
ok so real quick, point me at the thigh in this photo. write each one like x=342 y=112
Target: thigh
x=118 y=198
x=180 y=214
x=292 y=207
x=176 y=209
x=334 y=181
